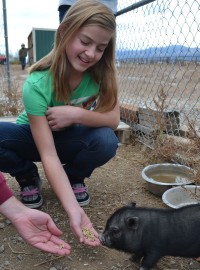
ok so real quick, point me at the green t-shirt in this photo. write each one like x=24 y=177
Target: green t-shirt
x=38 y=95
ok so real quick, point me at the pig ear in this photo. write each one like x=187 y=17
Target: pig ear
x=131 y=205
x=132 y=222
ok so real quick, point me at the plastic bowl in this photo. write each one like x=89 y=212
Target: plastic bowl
x=163 y=176
x=177 y=197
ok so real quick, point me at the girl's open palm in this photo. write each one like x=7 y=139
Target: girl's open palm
x=38 y=229
x=80 y=222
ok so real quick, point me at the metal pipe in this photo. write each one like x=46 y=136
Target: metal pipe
x=134 y=6
x=6 y=44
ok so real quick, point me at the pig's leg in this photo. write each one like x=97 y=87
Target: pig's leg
x=136 y=258
x=150 y=260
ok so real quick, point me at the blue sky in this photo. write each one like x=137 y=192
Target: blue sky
x=166 y=22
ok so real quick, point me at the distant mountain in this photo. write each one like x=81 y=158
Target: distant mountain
x=170 y=53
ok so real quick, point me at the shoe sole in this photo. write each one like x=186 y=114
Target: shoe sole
x=34 y=205
x=84 y=203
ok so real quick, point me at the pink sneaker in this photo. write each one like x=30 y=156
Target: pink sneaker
x=82 y=196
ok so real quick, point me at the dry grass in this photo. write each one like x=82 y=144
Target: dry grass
x=11 y=95
x=167 y=148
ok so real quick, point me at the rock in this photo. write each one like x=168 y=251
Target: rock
x=2 y=249
x=2 y=225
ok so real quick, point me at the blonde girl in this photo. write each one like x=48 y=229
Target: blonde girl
x=71 y=112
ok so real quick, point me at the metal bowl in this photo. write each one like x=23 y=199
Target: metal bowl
x=177 y=197
x=161 y=177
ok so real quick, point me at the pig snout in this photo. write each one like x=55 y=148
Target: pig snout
x=101 y=238
x=105 y=240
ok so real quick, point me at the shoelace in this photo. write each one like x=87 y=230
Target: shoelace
x=79 y=189
x=30 y=192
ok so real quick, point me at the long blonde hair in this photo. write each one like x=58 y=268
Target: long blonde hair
x=83 y=13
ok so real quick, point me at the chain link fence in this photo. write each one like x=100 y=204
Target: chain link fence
x=158 y=61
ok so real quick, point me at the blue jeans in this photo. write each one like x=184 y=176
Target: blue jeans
x=23 y=62
x=80 y=148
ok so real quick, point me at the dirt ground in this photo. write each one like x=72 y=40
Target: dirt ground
x=110 y=186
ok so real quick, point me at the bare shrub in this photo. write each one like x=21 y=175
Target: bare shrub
x=11 y=96
x=166 y=148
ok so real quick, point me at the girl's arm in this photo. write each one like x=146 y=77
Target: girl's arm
x=57 y=177
x=63 y=116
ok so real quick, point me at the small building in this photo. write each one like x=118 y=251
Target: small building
x=43 y=42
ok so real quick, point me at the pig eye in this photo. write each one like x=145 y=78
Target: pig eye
x=115 y=232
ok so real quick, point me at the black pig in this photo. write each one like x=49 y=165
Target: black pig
x=151 y=233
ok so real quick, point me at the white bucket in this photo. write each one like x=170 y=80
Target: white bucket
x=177 y=197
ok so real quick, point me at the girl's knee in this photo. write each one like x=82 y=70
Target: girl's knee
x=107 y=140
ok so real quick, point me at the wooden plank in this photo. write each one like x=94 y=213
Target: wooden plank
x=8 y=119
x=153 y=119
x=123 y=133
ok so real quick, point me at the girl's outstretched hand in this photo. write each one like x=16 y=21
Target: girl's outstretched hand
x=38 y=229
x=83 y=229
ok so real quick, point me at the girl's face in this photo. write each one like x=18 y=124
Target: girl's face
x=87 y=47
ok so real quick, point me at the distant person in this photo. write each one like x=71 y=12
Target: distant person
x=23 y=54
x=35 y=227
x=71 y=111
x=64 y=5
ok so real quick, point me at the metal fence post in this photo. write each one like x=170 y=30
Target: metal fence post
x=6 y=44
